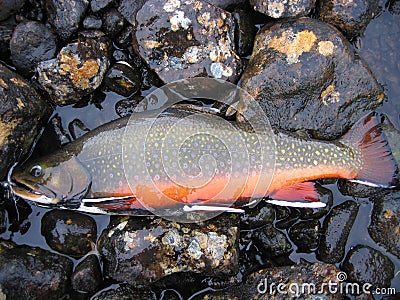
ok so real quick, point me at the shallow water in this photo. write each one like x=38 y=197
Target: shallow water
x=379 y=47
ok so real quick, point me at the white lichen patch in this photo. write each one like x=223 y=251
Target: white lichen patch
x=219 y=70
x=276 y=9
x=194 y=250
x=178 y=20
x=192 y=55
x=325 y=48
x=172 y=5
x=330 y=95
x=149 y=44
x=216 y=247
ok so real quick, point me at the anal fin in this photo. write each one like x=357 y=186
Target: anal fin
x=302 y=191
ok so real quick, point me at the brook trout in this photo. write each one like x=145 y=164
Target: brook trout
x=160 y=163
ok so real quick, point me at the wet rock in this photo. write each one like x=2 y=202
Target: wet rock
x=31 y=42
x=87 y=277
x=306 y=76
x=358 y=190
x=22 y=110
x=123 y=291
x=77 y=71
x=287 y=217
x=393 y=137
x=142 y=250
x=227 y=4
x=180 y=39
x=364 y=264
x=9 y=7
x=3 y=220
x=272 y=241
x=305 y=234
x=113 y=22
x=335 y=231
x=124 y=40
x=264 y=284
x=129 y=9
x=33 y=273
x=69 y=232
x=123 y=78
x=350 y=17
x=6 y=31
x=283 y=9
x=245 y=32
x=92 y=22
x=65 y=16
x=126 y=107
x=385 y=224
x=258 y=216
x=77 y=128
x=98 y=5
x=326 y=197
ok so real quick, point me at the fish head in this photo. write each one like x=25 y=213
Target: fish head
x=55 y=179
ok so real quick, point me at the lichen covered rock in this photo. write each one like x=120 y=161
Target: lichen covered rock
x=182 y=39
x=282 y=8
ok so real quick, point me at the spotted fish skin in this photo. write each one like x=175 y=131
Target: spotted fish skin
x=186 y=158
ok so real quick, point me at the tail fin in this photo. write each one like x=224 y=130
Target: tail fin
x=380 y=167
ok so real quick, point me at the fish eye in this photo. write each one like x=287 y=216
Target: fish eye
x=36 y=171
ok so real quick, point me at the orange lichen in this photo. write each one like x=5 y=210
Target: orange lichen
x=388 y=214
x=293 y=45
x=325 y=48
x=79 y=72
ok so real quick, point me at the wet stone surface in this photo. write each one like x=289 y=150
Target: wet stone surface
x=123 y=78
x=143 y=250
x=69 y=232
x=183 y=39
x=306 y=76
x=263 y=284
x=129 y=9
x=351 y=17
x=305 y=235
x=77 y=71
x=23 y=269
x=8 y=7
x=364 y=264
x=66 y=15
x=123 y=291
x=385 y=224
x=335 y=231
x=87 y=276
x=22 y=110
x=31 y=42
x=283 y=9
x=272 y=242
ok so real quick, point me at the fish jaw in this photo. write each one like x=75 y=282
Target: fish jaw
x=31 y=195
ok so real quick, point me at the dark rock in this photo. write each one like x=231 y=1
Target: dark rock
x=287 y=218
x=9 y=7
x=150 y=79
x=77 y=71
x=394 y=7
x=350 y=17
x=264 y=284
x=113 y=22
x=258 y=216
x=126 y=107
x=124 y=292
x=335 y=231
x=283 y=9
x=92 y=22
x=66 y=15
x=129 y=9
x=357 y=190
x=385 y=224
x=69 y=232
x=22 y=111
x=364 y=264
x=31 y=43
x=123 y=78
x=87 y=275
x=6 y=31
x=305 y=234
x=124 y=40
x=3 y=220
x=33 y=10
x=272 y=241
x=227 y=4
x=142 y=250
x=306 y=76
x=187 y=39
x=325 y=196
x=245 y=31
x=393 y=137
x=33 y=273
x=397 y=295
x=98 y=5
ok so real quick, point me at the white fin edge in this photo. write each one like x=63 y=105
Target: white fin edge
x=297 y=204
x=371 y=184
x=96 y=200
x=188 y=208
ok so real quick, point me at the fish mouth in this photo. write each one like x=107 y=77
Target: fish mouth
x=29 y=192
